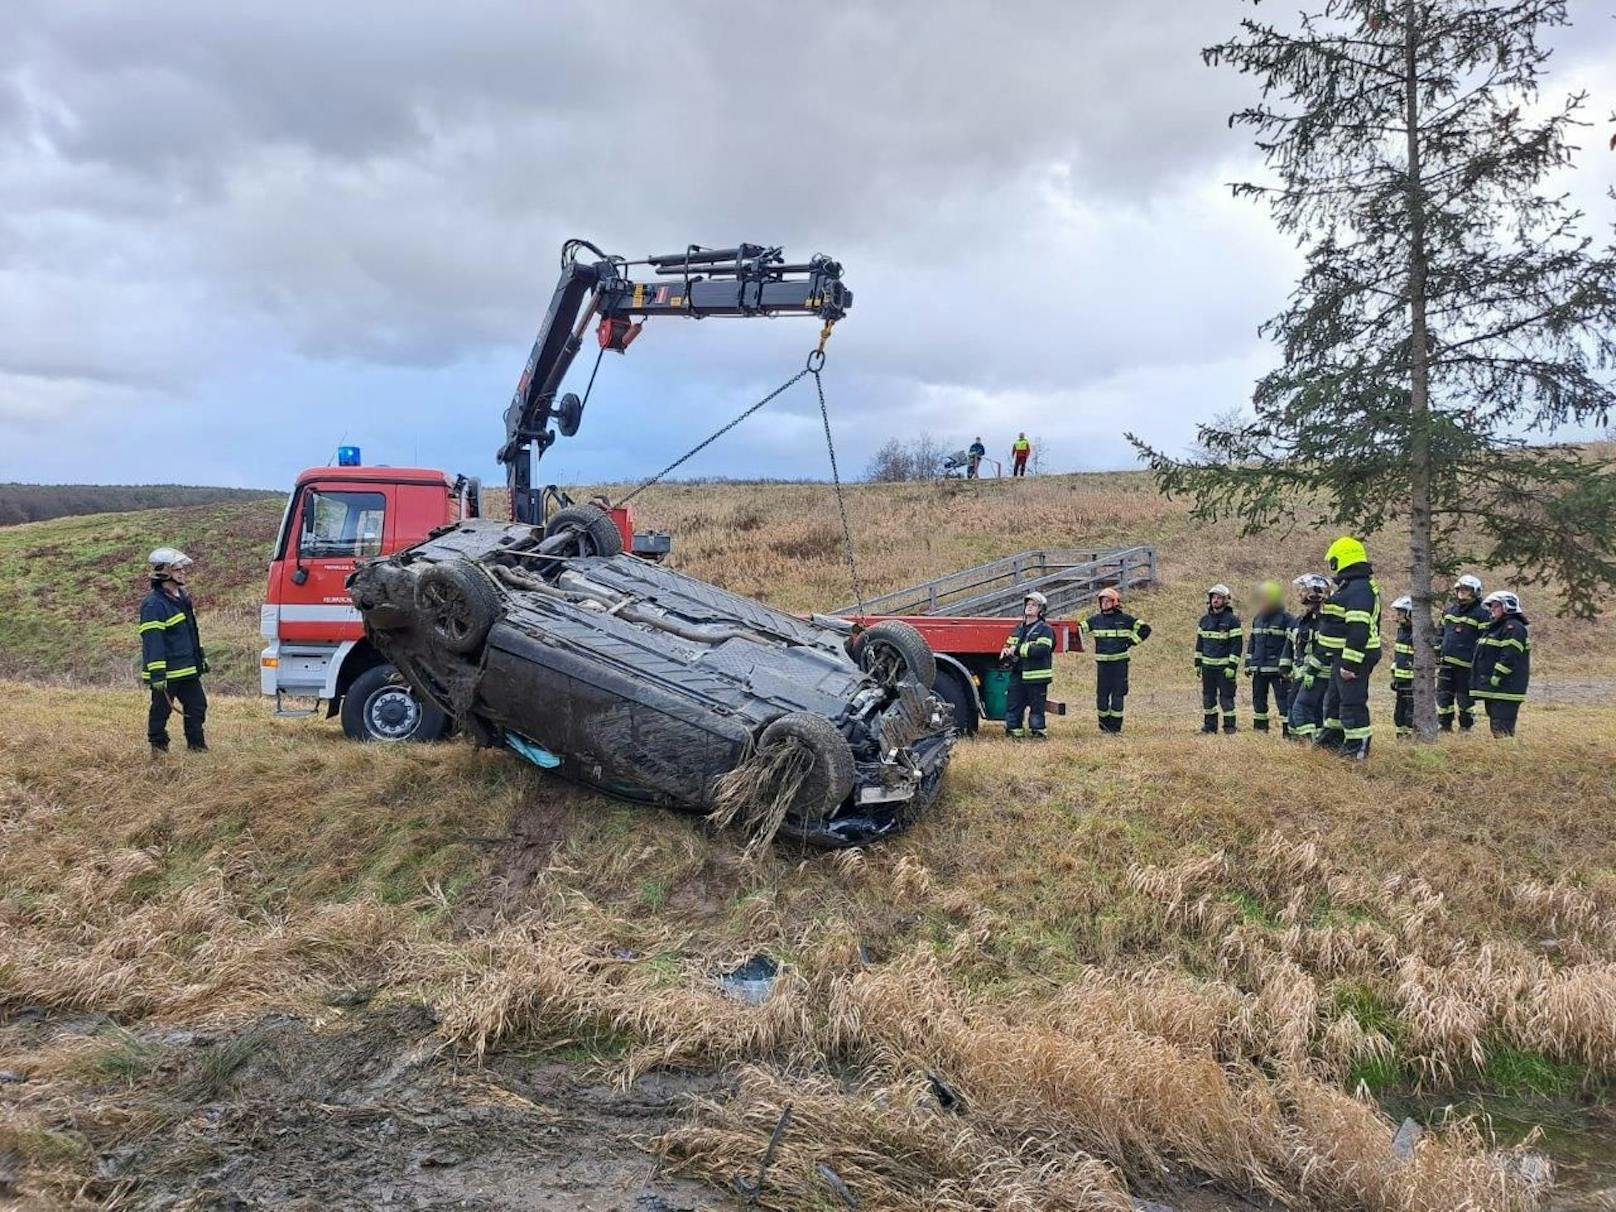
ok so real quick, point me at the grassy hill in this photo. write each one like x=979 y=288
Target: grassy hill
x=37 y=502
x=1166 y=965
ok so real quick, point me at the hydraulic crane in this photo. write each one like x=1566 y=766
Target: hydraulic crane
x=747 y=280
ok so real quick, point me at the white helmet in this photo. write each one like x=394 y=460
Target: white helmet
x=1472 y=583
x=1504 y=598
x=1404 y=603
x=1311 y=582
x=1038 y=599
x=166 y=558
x=1220 y=588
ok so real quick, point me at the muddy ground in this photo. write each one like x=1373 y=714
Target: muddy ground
x=362 y=1113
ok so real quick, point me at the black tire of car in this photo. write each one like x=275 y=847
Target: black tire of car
x=953 y=690
x=458 y=603
x=365 y=710
x=829 y=780
x=594 y=532
x=894 y=637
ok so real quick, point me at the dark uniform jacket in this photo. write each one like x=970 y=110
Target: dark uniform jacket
x=170 y=645
x=1503 y=663
x=1114 y=633
x=1218 y=639
x=1403 y=658
x=1266 y=652
x=1351 y=628
x=1032 y=651
x=1303 y=655
x=1461 y=625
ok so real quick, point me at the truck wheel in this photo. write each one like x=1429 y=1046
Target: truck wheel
x=382 y=706
x=891 y=649
x=458 y=602
x=951 y=688
x=593 y=531
x=829 y=778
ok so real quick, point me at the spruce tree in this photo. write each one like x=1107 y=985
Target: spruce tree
x=1451 y=316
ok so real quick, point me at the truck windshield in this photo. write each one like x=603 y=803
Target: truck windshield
x=337 y=524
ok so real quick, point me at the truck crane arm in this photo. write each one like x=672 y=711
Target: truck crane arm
x=747 y=280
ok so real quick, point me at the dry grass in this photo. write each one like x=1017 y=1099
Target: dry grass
x=1160 y=950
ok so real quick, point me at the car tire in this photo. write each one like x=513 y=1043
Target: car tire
x=952 y=688
x=829 y=780
x=891 y=643
x=457 y=603
x=594 y=533
x=381 y=706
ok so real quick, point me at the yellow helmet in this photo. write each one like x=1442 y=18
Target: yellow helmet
x=1271 y=592
x=1344 y=553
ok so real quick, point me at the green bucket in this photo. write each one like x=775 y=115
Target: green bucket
x=995 y=689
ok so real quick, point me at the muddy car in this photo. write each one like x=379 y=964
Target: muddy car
x=650 y=685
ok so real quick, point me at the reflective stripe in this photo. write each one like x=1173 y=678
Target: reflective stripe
x=186 y=672
x=1110 y=633
x=1304 y=729
x=1038 y=675
x=1218 y=635
x=1332 y=641
x=1223 y=660
x=1402 y=675
x=1358 y=616
x=1259 y=715
x=1408 y=648
x=1358 y=734
x=1111 y=656
x=1498 y=694
x=1459 y=661
x=1334 y=724
x=158 y=664
x=1351 y=655
x=1492 y=643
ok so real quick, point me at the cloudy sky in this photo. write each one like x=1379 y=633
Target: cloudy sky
x=233 y=236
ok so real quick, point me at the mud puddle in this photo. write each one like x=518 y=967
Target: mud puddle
x=278 y=1114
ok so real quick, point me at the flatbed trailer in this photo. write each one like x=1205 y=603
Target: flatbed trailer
x=966 y=615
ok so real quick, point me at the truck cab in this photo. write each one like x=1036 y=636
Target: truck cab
x=316 y=651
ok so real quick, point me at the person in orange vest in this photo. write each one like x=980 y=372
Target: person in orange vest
x=1019 y=450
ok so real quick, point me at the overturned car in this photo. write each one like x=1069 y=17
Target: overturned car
x=651 y=685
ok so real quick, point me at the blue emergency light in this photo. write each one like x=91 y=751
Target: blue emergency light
x=347 y=456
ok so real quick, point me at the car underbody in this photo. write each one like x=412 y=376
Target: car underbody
x=651 y=685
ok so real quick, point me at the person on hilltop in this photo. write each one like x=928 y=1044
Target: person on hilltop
x=1462 y=622
x=1351 y=634
x=974 y=457
x=1503 y=664
x=172 y=660
x=1267 y=665
x=1020 y=449
x=1218 y=642
x=1029 y=652
x=1307 y=661
x=1115 y=634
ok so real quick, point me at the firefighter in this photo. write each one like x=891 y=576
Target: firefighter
x=1403 y=667
x=1310 y=670
x=1503 y=662
x=1020 y=449
x=1351 y=634
x=1218 y=642
x=974 y=457
x=1114 y=633
x=172 y=660
x=1030 y=653
x=1267 y=665
x=1463 y=620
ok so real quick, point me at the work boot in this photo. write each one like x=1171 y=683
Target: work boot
x=1259 y=725
x=1445 y=723
x=1285 y=732
x=1209 y=729
x=1230 y=726
x=158 y=751
x=199 y=747
x=1466 y=725
x=1038 y=734
x=1015 y=734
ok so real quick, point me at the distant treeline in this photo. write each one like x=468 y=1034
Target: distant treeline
x=36 y=502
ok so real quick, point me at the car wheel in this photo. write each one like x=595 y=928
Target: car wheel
x=829 y=777
x=891 y=649
x=953 y=690
x=382 y=706
x=593 y=531
x=458 y=603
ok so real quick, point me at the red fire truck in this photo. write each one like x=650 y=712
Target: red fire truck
x=316 y=650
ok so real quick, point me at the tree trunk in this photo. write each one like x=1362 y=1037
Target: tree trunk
x=1419 y=398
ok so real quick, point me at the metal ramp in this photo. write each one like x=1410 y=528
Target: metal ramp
x=1068 y=577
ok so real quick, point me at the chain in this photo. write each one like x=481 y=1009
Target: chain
x=836 y=479
x=816 y=363
x=713 y=437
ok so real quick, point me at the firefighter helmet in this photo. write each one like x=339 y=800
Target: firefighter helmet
x=1504 y=598
x=1404 y=603
x=1037 y=599
x=1344 y=553
x=1220 y=590
x=1109 y=592
x=1472 y=583
x=166 y=559
x=1311 y=582
x=1271 y=592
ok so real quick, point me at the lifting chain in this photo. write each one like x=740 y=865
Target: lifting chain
x=816 y=363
